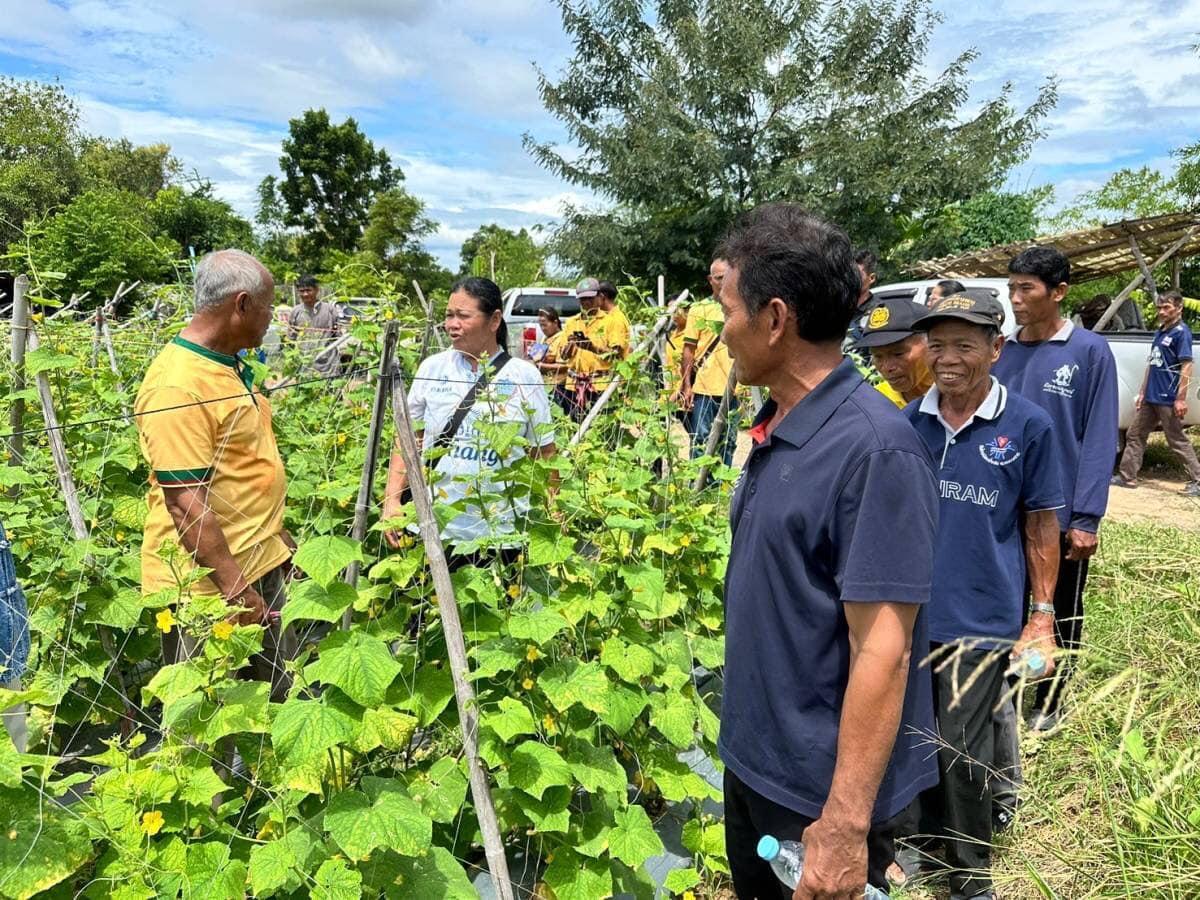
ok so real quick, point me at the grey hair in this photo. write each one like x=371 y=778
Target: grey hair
x=222 y=273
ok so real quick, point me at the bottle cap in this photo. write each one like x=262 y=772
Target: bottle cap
x=1036 y=661
x=768 y=847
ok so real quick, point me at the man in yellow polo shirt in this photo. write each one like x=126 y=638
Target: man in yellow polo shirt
x=705 y=370
x=217 y=482
x=596 y=340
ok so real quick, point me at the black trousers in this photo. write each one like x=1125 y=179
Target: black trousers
x=959 y=809
x=1068 y=625
x=749 y=815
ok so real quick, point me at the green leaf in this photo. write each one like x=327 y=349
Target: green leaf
x=312 y=601
x=660 y=542
x=242 y=708
x=534 y=767
x=645 y=582
x=538 y=627
x=707 y=840
x=431 y=692
x=337 y=881
x=675 y=718
x=199 y=785
x=385 y=728
x=10 y=763
x=323 y=558
x=510 y=718
x=305 y=729
x=548 y=546
x=496 y=657
x=595 y=768
x=570 y=682
x=282 y=864
x=442 y=790
x=122 y=610
x=625 y=704
x=175 y=681
x=391 y=820
x=436 y=875
x=631 y=661
x=46 y=359
x=40 y=844
x=574 y=877
x=12 y=476
x=211 y=874
x=632 y=839
x=680 y=880
x=360 y=664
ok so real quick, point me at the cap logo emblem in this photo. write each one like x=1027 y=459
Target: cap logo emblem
x=879 y=317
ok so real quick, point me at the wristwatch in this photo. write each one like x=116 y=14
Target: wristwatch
x=1047 y=608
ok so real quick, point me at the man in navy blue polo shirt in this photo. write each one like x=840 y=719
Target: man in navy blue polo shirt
x=825 y=714
x=1162 y=401
x=1071 y=374
x=999 y=482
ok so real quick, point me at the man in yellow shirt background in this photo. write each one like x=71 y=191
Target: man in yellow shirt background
x=217 y=482
x=897 y=350
x=704 y=371
x=596 y=340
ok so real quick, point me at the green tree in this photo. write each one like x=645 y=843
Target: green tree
x=195 y=218
x=39 y=152
x=331 y=177
x=985 y=220
x=1128 y=194
x=688 y=111
x=98 y=240
x=122 y=165
x=395 y=226
x=511 y=257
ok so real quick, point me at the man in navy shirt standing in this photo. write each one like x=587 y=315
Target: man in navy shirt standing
x=825 y=715
x=999 y=483
x=1071 y=374
x=1163 y=398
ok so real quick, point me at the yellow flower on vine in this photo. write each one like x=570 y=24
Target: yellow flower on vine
x=685 y=540
x=548 y=724
x=165 y=621
x=222 y=631
x=152 y=822
x=514 y=591
x=533 y=653
x=527 y=684
x=689 y=895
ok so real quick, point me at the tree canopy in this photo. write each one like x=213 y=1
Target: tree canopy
x=510 y=258
x=685 y=112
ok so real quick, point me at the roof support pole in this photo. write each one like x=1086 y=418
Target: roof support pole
x=1169 y=253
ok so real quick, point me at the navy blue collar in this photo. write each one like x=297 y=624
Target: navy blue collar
x=808 y=416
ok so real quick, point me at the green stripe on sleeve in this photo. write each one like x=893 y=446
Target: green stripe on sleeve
x=176 y=477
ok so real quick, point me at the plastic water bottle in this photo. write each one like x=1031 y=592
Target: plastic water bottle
x=787 y=861
x=1030 y=664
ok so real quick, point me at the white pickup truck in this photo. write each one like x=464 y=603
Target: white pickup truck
x=1131 y=349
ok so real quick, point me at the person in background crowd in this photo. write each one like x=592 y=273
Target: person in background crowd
x=1000 y=490
x=313 y=323
x=704 y=372
x=1072 y=375
x=217 y=482
x=596 y=340
x=673 y=361
x=14 y=641
x=943 y=288
x=826 y=710
x=608 y=303
x=897 y=349
x=548 y=356
x=1162 y=401
x=470 y=471
x=866 y=262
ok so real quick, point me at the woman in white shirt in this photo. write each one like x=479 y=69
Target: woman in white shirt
x=470 y=471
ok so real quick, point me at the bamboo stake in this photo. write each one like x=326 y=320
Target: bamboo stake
x=362 y=506
x=659 y=330
x=1137 y=279
x=106 y=336
x=456 y=649
x=717 y=434
x=66 y=481
x=662 y=291
x=430 y=331
x=20 y=331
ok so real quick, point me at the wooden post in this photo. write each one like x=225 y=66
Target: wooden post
x=1176 y=271
x=106 y=336
x=20 y=333
x=430 y=326
x=366 y=484
x=716 y=435
x=1169 y=253
x=1147 y=275
x=662 y=291
x=66 y=481
x=660 y=328
x=456 y=648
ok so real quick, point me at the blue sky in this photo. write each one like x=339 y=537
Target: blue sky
x=449 y=87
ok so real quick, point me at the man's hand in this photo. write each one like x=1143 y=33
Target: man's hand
x=1038 y=632
x=1181 y=407
x=255 y=608
x=397 y=538
x=835 y=862
x=1082 y=544
x=1138 y=402
x=687 y=400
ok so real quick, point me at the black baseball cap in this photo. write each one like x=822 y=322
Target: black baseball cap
x=975 y=305
x=889 y=321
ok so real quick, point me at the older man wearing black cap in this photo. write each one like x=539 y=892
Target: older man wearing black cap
x=1000 y=488
x=897 y=348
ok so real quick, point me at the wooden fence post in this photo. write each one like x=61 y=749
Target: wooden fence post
x=20 y=338
x=366 y=484
x=660 y=328
x=456 y=648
